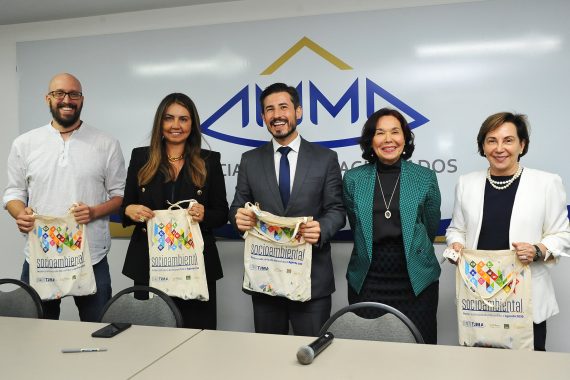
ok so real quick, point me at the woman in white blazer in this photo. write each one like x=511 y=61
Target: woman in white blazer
x=511 y=207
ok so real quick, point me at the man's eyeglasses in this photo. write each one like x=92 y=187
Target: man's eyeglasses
x=58 y=94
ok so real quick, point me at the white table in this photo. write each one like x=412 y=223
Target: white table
x=31 y=349
x=233 y=355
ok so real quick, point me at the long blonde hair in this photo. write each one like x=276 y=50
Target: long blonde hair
x=158 y=159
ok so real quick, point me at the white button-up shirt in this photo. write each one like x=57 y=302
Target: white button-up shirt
x=292 y=156
x=49 y=175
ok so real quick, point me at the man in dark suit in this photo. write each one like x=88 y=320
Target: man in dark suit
x=312 y=186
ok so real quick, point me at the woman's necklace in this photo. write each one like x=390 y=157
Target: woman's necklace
x=174 y=159
x=502 y=185
x=176 y=164
x=387 y=214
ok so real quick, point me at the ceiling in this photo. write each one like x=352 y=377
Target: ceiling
x=21 y=11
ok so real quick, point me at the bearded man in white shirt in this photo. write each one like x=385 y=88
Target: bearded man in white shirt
x=63 y=163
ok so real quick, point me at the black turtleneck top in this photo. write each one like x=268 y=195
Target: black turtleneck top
x=387 y=228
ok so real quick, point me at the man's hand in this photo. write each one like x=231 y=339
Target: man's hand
x=82 y=213
x=25 y=220
x=311 y=231
x=245 y=219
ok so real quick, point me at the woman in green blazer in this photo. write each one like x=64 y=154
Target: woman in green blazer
x=393 y=210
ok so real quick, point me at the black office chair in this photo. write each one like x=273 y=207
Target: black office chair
x=20 y=301
x=393 y=326
x=157 y=310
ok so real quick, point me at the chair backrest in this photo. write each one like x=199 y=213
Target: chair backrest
x=18 y=299
x=157 y=310
x=393 y=326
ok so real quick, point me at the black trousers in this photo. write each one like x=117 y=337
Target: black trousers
x=539 y=336
x=271 y=315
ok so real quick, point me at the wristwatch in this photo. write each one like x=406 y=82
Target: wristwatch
x=537 y=254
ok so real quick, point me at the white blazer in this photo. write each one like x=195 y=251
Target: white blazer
x=539 y=216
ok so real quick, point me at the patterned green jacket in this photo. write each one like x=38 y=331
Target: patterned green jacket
x=420 y=201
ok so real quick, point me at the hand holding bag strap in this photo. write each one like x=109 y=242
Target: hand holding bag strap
x=51 y=218
x=248 y=206
x=513 y=279
x=176 y=206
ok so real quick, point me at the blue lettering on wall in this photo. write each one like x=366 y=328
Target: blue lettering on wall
x=315 y=97
x=373 y=89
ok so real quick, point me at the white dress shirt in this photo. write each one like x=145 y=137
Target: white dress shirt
x=49 y=174
x=292 y=156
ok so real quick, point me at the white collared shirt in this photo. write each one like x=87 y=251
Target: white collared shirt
x=49 y=174
x=292 y=156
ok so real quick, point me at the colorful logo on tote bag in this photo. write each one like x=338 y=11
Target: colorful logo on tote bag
x=171 y=237
x=54 y=238
x=481 y=274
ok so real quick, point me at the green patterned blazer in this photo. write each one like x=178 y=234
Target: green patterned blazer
x=419 y=209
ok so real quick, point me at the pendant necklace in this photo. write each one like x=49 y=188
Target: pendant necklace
x=388 y=213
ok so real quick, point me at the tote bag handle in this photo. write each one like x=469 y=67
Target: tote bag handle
x=177 y=205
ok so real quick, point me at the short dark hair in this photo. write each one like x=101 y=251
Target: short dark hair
x=280 y=87
x=369 y=130
x=495 y=121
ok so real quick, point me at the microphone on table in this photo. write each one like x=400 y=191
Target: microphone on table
x=307 y=354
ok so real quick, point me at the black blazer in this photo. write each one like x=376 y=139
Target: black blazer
x=212 y=196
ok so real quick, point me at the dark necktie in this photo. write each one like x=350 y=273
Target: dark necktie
x=284 y=175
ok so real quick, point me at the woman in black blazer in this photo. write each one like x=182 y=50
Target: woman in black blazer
x=171 y=169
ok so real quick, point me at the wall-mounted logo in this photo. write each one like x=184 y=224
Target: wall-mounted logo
x=350 y=99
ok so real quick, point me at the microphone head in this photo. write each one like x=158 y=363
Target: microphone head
x=305 y=355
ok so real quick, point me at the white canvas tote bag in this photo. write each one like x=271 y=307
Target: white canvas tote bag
x=494 y=306
x=277 y=260
x=60 y=263
x=176 y=253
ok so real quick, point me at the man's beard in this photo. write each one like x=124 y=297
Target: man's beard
x=65 y=122
x=293 y=128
